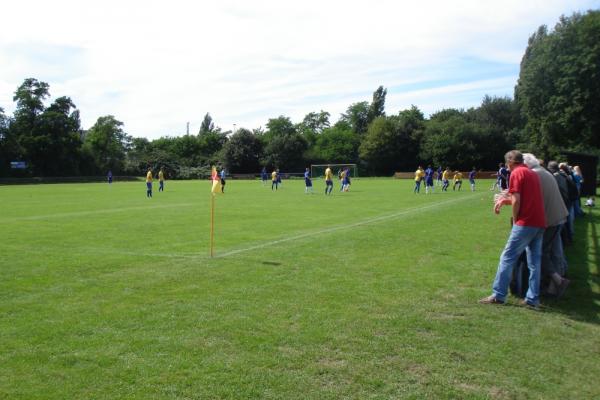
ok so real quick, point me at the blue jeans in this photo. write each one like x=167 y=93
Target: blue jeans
x=521 y=238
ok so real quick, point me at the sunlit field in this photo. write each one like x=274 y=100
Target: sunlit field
x=107 y=294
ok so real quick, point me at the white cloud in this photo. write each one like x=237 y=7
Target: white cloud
x=156 y=65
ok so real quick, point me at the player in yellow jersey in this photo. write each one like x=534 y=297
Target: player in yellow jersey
x=161 y=181
x=149 y=183
x=274 y=180
x=457 y=180
x=342 y=176
x=446 y=179
x=328 y=180
x=419 y=174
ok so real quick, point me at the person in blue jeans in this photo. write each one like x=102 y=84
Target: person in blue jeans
x=524 y=194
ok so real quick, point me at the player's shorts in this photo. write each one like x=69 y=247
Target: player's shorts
x=429 y=182
x=472 y=181
x=329 y=182
x=307 y=182
x=149 y=185
x=110 y=180
x=222 y=181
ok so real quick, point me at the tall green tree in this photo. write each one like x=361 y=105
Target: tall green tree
x=207 y=125
x=377 y=106
x=337 y=144
x=286 y=152
x=54 y=147
x=6 y=153
x=29 y=96
x=313 y=125
x=108 y=144
x=391 y=142
x=357 y=116
x=558 y=90
x=47 y=138
x=280 y=126
x=451 y=139
x=243 y=151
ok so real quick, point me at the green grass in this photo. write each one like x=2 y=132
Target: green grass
x=370 y=294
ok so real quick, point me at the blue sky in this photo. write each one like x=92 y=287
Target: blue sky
x=157 y=65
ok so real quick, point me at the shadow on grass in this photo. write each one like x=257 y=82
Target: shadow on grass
x=581 y=302
x=271 y=263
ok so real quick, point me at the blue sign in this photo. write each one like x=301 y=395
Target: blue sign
x=18 y=164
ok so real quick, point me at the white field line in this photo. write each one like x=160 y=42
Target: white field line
x=203 y=255
x=341 y=227
x=93 y=212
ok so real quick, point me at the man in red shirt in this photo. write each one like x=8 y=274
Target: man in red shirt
x=524 y=194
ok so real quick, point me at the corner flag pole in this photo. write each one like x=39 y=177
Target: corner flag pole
x=216 y=185
x=212 y=223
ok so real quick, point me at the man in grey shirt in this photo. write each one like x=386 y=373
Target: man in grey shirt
x=556 y=215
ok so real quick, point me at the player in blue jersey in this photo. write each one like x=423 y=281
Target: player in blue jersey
x=472 y=179
x=345 y=180
x=223 y=175
x=307 y=182
x=439 y=176
x=109 y=176
x=503 y=177
x=429 y=179
x=264 y=176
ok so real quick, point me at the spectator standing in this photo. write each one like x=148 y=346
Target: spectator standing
x=578 y=179
x=563 y=186
x=525 y=196
x=553 y=266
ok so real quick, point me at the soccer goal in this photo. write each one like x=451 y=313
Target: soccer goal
x=318 y=170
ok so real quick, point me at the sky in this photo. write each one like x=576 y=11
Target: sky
x=157 y=65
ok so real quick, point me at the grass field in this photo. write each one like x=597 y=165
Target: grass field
x=371 y=294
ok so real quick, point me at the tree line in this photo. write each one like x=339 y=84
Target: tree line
x=556 y=107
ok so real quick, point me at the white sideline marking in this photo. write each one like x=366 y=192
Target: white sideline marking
x=84 y=213
x=203 y=255
x=340 y=227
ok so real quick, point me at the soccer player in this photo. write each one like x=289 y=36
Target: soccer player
x=307 y=182
x=429 y=179
x=161 y=180
x=149 y=183
x=274 y=180
x=346 y=180
x=109 y=176
x=439 y=176
x=503 y=177
x=223 y=175
x=278 y=177
x=445 y=179
x=457 y=180
x=419 y=174
x=342 y=176
x=264 y=176
x=472 y=179
x=328 y=180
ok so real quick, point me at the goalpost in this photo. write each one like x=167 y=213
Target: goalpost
x=318 y=170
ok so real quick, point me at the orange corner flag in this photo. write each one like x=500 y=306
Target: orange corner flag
x=216 y=182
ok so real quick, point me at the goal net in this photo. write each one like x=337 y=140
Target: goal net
x=318 y=170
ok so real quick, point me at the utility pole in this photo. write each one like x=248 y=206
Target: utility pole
x=188 y=128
